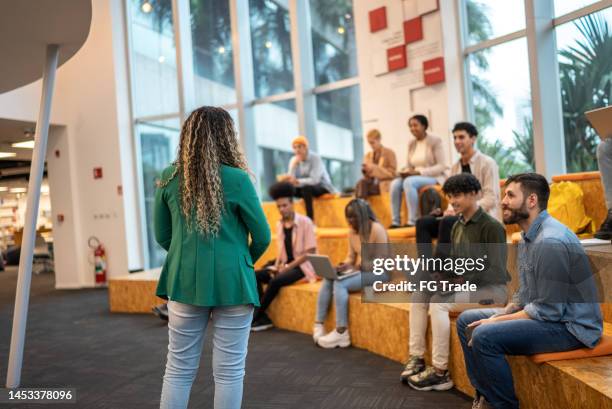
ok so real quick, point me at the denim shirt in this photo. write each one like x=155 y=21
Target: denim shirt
x=554 y=271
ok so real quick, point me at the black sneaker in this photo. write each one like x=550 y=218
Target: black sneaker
x=161 y=311
x=414 y=366
x=429 y=380
x=262 y=323
x=605 y=231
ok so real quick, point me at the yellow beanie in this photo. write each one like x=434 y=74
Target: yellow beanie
x=300 y=140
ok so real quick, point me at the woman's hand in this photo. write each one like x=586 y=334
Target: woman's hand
x=342 y=267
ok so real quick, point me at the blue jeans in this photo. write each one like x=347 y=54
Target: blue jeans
x=485 y=360
x=186 y=327
x=410 y=186
x=340 y=289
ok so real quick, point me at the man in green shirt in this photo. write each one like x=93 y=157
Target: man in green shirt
x=478 y=257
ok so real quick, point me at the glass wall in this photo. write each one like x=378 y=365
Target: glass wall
x=158 y=146
x=487 y=19
x=213 y=64
x=499 y=75
x=333 y=40
x=153 y=58
x=340 y=139
x=585 y=70
x=271 y=47
x=502 y=108
x=328 y=112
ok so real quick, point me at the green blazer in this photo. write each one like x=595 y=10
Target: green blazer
x=211 y=271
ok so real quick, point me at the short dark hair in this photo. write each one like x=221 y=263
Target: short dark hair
x=461 y=183
x=532 y=183
x=467 y=127
x=282 y=189
x=421 y=118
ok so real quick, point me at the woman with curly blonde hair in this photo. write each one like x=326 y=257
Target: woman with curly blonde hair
x=206 y=208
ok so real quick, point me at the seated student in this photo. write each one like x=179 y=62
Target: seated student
x=552 y=267
x=426 y=166
x=471 y=161
x=474 y=227
x=379 y=168
x=364 y=229
x=308 y=174
x=295 y=237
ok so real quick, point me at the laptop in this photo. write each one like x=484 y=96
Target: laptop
x=324 y=268
x=601 y=120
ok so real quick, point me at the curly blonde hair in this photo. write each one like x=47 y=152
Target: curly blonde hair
x=208 y=140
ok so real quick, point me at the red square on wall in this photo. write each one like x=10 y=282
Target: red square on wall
x=397 y=58
x=378 y=19
x=97 y=173
x=413 y=30
x=433 y=71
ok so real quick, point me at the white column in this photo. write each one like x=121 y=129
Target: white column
x=181 y=19
x=22 y=297
x=303 y=69
x=548 y=137
x=243 y=78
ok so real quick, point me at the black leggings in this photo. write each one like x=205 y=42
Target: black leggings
x=308 y=192
x=274 y=285
x=428 y=228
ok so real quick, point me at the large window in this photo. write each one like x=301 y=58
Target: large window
x=487 y=19
x=158 y=145
x=499 y=97
x=585 y=70
x=502 y=108
x=333 y=40
x=153 y=58
x=213 y=63
x=271 y=42
x=340 y=136
x=268 y=110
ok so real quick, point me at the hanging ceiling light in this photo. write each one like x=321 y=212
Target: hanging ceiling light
x=341 y=30
x=146 y=7
x=268 y=44
x=7 y=154
x=24 y=144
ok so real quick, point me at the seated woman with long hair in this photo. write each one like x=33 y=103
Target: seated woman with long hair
x=364 y=229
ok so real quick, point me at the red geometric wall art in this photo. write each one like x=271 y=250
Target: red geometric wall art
x=397 y=58
x=378 y=19
x=413 y=30
x=433 y=71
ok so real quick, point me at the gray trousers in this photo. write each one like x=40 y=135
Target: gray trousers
x=604 y=159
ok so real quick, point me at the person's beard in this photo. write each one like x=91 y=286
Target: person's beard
x=516 y=215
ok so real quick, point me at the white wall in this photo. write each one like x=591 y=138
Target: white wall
x=389 y=100
x=91 y=101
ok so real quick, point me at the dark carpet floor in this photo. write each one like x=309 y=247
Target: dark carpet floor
x=117 y=360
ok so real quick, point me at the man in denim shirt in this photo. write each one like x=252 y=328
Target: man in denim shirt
x=555 y=308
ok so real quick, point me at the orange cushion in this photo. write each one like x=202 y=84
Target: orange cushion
x=332 y=232
x=328 y=196
x=603 y=348
x=402 y=233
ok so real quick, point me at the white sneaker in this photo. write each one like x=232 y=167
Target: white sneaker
x=335 y=339
x=317 y=332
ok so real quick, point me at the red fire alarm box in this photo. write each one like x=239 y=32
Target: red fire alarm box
x=97 y=173
x=60 y=217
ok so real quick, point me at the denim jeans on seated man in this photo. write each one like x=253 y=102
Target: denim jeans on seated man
x=410 y=186
x=436 y=306
x=187 y=326
x=550 y=259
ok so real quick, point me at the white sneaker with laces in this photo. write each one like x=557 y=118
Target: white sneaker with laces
x=335 y=339
x=317 y=332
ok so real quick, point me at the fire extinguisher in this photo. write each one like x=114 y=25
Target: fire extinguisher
x=99 y=260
